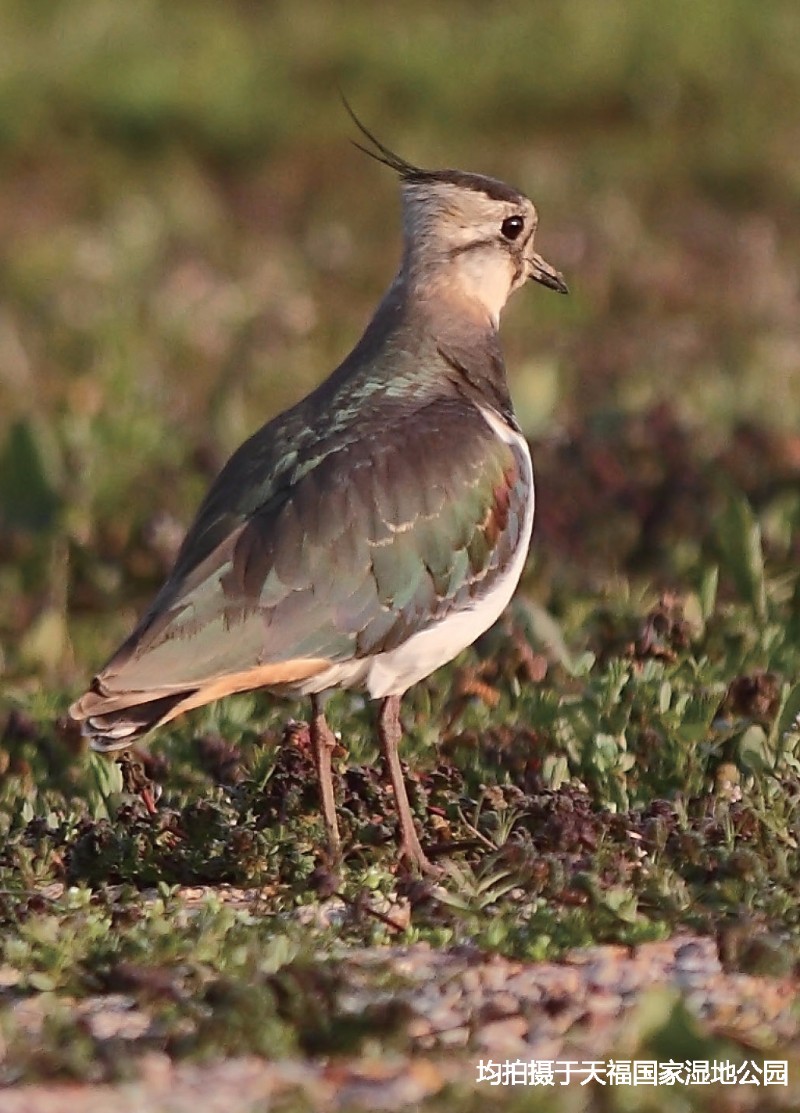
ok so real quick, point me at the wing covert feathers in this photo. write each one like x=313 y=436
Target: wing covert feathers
x=375 y=538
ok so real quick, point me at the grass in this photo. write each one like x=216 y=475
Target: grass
x=181 y=257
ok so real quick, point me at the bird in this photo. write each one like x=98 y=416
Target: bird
x=370 y=533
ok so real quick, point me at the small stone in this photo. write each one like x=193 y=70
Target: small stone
x=455 y=1037
x=471 y=981
x=443 y=1020
x=156 y=1070
x=698 y=954
x=525 y=986
x=9 y=977
x=419 y=1028
x=603 y=1005
x=503 y=1036
x=501 y=1005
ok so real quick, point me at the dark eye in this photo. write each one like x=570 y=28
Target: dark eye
x=512 y=226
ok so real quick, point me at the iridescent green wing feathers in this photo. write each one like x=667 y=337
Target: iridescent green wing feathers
x=355 y=547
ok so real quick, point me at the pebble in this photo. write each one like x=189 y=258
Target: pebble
x=502 y=1037
x=463 y=1005
x=453 y=1037
x=499 y=1006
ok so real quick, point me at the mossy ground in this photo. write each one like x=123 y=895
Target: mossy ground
x=181 y=257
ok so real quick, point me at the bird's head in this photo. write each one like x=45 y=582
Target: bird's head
x=465 y=235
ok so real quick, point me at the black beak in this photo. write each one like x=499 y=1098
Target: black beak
x=548 y=276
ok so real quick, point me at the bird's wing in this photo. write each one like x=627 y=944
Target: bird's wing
x=364 y=541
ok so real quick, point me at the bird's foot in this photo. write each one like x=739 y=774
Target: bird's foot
x=326 y=879
x=136 y=782
x=413 y=857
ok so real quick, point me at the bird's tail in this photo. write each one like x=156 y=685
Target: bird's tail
x=113 y=722
x=112 y=717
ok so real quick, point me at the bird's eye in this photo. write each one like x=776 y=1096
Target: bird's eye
x=512 y=226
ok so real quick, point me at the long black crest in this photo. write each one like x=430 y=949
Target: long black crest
x=381 y=152
x=499 y=191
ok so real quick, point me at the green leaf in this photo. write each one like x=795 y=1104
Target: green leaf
x=664 y=696
x=30 y=471
x=544 y=631
x=753 y=751
x=604 y=752
x=708 y=591
x=740 y=541
x=555 y=771
x=621 y=902
x=41 y=982
x=46 y=641
x=787 y=720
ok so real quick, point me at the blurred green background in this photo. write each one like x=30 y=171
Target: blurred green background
x=188 y=243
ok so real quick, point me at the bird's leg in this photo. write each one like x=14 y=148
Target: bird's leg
x=323 y=743
x=390 y=733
